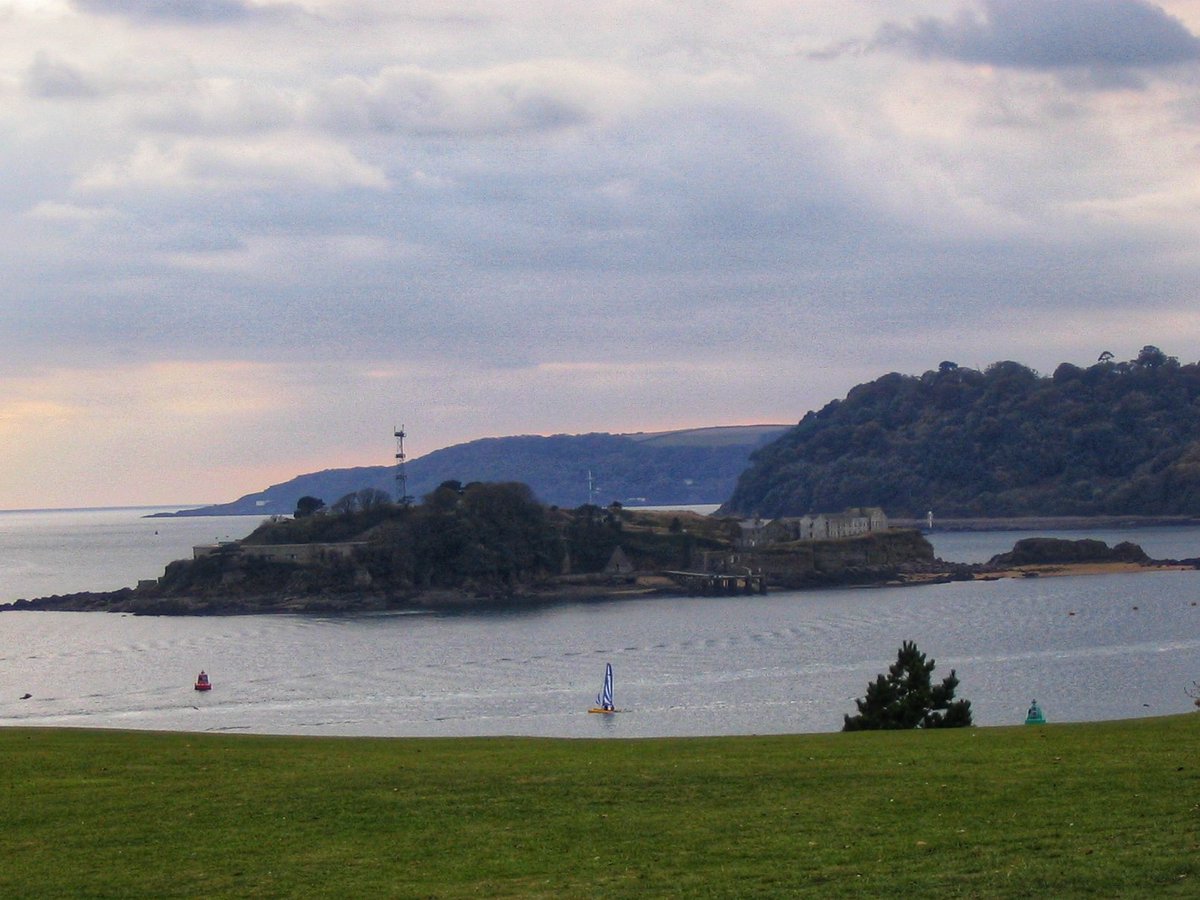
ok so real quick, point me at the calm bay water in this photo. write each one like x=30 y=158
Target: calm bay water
x=1089 y=647
x=980 y=546
x=62 y=551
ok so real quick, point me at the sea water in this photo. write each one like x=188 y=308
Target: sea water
x=1086 y=647
x=63 y=551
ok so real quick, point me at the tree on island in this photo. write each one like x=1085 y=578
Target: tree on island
x=361 y=501
x=907 y=698
x=308 y=506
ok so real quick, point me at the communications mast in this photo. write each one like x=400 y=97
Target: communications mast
x=401 y=476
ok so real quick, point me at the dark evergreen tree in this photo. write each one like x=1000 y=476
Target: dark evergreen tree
x=907 y=698
x=308 y=506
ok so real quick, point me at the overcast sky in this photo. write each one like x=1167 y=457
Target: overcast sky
x=244 y=239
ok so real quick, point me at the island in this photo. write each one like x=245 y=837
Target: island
x=493 y=545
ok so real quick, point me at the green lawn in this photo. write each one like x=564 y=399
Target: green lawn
x=1064 y=810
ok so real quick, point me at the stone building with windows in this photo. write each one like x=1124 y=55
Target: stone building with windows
x=824 y=526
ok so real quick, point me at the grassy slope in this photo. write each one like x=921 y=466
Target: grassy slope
x=1098 y=809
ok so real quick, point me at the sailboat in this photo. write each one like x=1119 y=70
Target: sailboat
x=604 y=699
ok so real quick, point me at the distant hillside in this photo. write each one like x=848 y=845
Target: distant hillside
x=694 y=466
x=1116 y=438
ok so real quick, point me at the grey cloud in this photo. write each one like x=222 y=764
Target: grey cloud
x=679 y=218
x=410 y=100
x=220 y=107
x=197 y=11
x=719 y=217
x=53 y=79
x=471 y=311
x=720 y=214
x=1051 y=35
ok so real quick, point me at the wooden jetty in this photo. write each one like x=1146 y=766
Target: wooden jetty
x=719 y=582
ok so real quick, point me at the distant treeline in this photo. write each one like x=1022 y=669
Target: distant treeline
x=1115 y=438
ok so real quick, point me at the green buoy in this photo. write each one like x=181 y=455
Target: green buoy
x=1035 y=716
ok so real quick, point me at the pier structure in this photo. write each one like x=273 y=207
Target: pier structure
x=712 y=583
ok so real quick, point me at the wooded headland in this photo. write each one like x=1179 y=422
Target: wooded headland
x=1112 y=439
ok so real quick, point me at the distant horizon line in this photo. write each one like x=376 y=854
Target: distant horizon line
x=42 y=509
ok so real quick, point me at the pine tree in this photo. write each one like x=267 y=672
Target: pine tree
x=907 y=698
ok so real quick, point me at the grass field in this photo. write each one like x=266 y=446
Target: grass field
x=1102 y=810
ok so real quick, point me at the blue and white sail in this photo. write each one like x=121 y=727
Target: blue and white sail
x=604 y=699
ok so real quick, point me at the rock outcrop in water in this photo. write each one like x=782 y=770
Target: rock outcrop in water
x=1048 y=551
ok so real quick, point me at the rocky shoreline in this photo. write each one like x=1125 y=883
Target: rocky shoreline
x=131 y=601
x=135 y=602
x=1032 y=557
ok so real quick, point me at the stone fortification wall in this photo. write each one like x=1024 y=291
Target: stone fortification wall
x=300 y=554
x=867 y=557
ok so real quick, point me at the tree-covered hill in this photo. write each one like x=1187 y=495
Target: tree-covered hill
x=693 y=466
x=1115 y=438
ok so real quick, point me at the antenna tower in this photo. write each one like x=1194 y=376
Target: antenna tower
x=401 y=476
